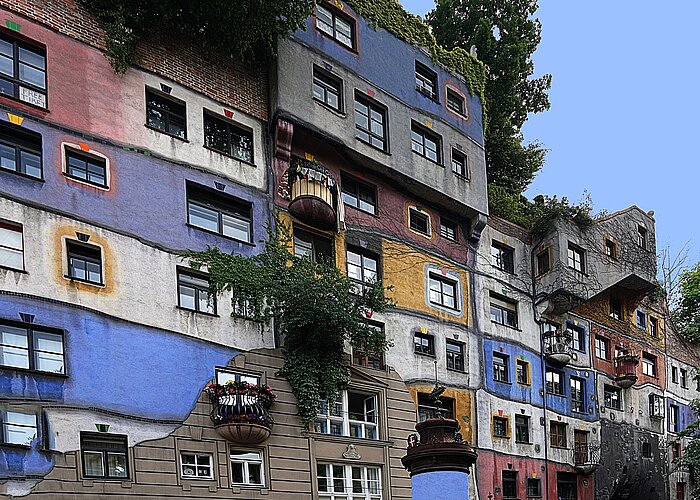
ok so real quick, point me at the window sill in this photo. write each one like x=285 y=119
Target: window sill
x=428 y=159
x=427 y=355
x=447 y=308
x=558 y=447
x=227 y=155
x=106 y=479
x=16 y=446
x=524 y=442
x=29 y=371
x=203 y=313
x=346 y=47
x=219 y=234
x=428 y=96
x=161 y=131
x=21 y=271
x=330 y=108
x=373 y=214
x=26 y=176
x=504 y=438
x=523 y=384
x=506 y=382
x=73 y=178
x=455 y=370
x=507 y=326
x=19 y=101
x=461 y=177
x=512 y=273
x=198 y=479
x=373 y=146
x=85 y=282
x=616 y=409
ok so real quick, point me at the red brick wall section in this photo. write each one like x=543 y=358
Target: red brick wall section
x=235 y=84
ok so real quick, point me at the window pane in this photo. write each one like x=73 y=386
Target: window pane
x=32 y=58
x=93 y=463
x=14 y=349
x=215 y=134
x=236 y=473
x=117 y=464
x=20 y=428
x=187 y=297
x=32 y=76
x=254 y=473
x=236 y=227
x=7 y=157
x=324 y=20
x=30 y=164
x=204 y=217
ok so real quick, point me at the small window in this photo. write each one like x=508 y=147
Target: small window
x=84 y=262
x=502 y=257
x=32 y=348
x=193 y=292
x=427 y=408
x=247 y=468
x=426 y=81
x=23 y=71
x=612 y=397
x=11 y=246
x=522 y=372
x=196 y=466
x=642 y=237
x=555 y=382
x=674 y=374
x=510 y=484
x=104 y=456
x=500 y=427
x=675 y=451
x=166 y=114
x=684 y=378
x=578 y=395
x=649 y=364
x=653 y=327
x=578 y=335
x=543 y=264
x=656 y=406
x=419 y=221
x=362 y=268
x=534 y=487
x=20 y=149
x=336 y=481
x=459 y=164
x=557 y=432
x=426 y=143
x=443 y=292
x=500 y=367
x=602 y=348
x=337 y=27
x=86 y=167
x=610 y=248
x=315 y=247
x=359 y=195
x=455 y=103
x=219 y=213
x=224 y=137
x=503 y=311
x=327 y=89
x=370 y=123
x=455 y=355
x=646 y=450
x=673 y=425
x=522 y=429
x=575 y=258
x=641 y=319
x=423 y=343
x=615 y=308
x=18 y=427
x=448 y=229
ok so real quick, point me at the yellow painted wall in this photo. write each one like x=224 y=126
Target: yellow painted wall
x=59 y=262
x=464 y=408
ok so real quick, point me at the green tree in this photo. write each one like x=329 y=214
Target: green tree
x=505 y=35
x=690 y=457
x=686 y=313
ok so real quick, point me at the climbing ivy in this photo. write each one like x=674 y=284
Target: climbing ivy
x=312 y=306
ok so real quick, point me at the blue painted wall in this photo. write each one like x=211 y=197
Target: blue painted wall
x=686 y=415
x=443 y=485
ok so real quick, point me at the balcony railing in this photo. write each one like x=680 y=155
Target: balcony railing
x=314 y=194
x=586 y=458
x=240 y=411
x=626 y=370
x=558 y=346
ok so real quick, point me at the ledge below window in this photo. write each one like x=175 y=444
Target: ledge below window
x=29 y=371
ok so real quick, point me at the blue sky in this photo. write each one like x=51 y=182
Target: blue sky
x=625 y=109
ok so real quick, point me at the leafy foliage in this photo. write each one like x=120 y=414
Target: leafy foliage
x=237 y=29
x=312 y=306
x=686 y=315
x=690 y=457
x=505 y=35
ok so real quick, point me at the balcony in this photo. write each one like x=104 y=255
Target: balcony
x=626 y=370
x=240 y=411
x=586 y=458
x=558 y=346
x=314 y=194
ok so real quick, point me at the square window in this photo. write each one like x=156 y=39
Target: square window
x=86 y=167
x=502 y=257
x=18 y=427
x=567 y=486
x=500 y=427
x=612 y=397
x=370 y=123
x=84 y=262
x=363 y=268
x=311 y=245
x=23 y=71
x=193 y=292
x=616 y=308
x=500 y=367
x=522 y=429
x=423 y=343
x=656 y=406
x=335 y=26
x=419 y=221
x=522 y=372
x=166 y=114
x=602 y=348
x=448 y=229
x=429 y=408
x=648 y=364
x=455 y=355
x=353 y=414
x=426 y=143
x=20 y=150
x=426 y=81
x=104 y=456
x=443 y=291
x=227 y=138
x=459 y=164
x=503 y=311
x=534 y=487
x=557 y=432
x=543 y=264
x=359 y=195
x=196 y=466
x=327 y=89
x=11 y=246
x=455 y=102
x=555 y=382
x=247 y=468
x=575 y=258
x=646 y=450
x=219 y=213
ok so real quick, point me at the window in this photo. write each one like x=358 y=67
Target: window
x=335 y=26
x=680 y=491
x=648 y=364
x=673 y=418
x=427 y=408
x=193 y=292
x=166 y=114
x=426 y=81
x=656 y=406
x=418 y=221
x=459 y=164
x=32 y=348
x=443 y=292
x=675 y=451
x=362 y=268
x=361 y=358
x=311 y=245
x=646 y=450
x=674 y=374
x=534 y=487
x=522 y=429
x=224 y=137
x=543 y=265
x=247 y=468
x=84 y=262
x=510 y=484
x=642 y=237
x=359 y=195
x=502 y=257
x=610 y=248
x=104 y=456
x=86 y=167
x=455 y=102
x=353 y=414
x=370 y=122
x=341 y=482
x=18 y=427
x=23 y=71
x=684 y=378
x=602 y=348
x=448 y=229
x=578 y=395
x=578 y=335
x=566 y=486
x=615 y=308
x=653 y=326
x=455 y=355
x=500 y=367
x=555 y=382
x=423 y=343
x=218 y=213
x=641 y=319
x=500 y=427
x=327 y=89
x=426 y=143
x=575 y=258
x=612 y=397
x=522 y=372
x=196 y=465
x=557 y=432
x=503 y=311
x=20 y=149
x=11 y=246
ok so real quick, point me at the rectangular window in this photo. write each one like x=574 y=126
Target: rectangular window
x=247 y=468
x=656 y=406
x=612 y=397
x=522 y=429
x=610 y=248
x=359 y=195
x=680 y=491
x=20 y=150
x=653 y=327
x=575 y=258
x=557 y=432
x=426 y=143
x=578 y=335
x=566 y=486
x=502 y=257
x=361 y=358
x=311 y=245
x=684 y=378
x=615 y=308
x=327 y=89
x=578 y=395
x=503 y=311
x=219 y=213
x=225 y=137
x=84 y=262
x=455 y=355
x=510 y=484
x=86 y=167
x=642 y=237
x=193 y=292
x=419 y=221
x=641 y=319
x=500 y=367
x=675 y=451
x=196 y=465
x=459 y=164
x=428 y=408
x=32 y=348
x=104 y=456
x=448 y=229
x=166 y=114
x=423 y=343
x=335 y=26
x=674 y=374
x=555 y=382
x=455 y=102
x=341 y=482
x=362 y=268
x=534 y=487
x=370 y=120
x=543 y=265
x=522 y=372
x=500 y=427
x=352 y=414
x=11 y=246
x=648 y=364
x=18 y=427
x=443 y=292
x=426 y=81
x=673 y=418
x=602 y=348
x=23 y=71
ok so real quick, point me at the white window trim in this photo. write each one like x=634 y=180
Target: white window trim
x=246 y=473
x=458 y=311
x=347 y=483
x=422 y=212
x=197 y=455
x=77 y=147
x=344 y=418
x=17 y=228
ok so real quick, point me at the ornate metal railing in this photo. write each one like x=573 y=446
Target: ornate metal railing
x=558 y=345
x=241 y=412
x=586 y=457
x=626 y=370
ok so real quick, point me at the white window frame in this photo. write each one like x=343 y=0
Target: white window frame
x=245 y=462
x=8 y=419
x=646 y=364
x=656 y=406
x=414 y=209
x=445 y=284
x=346 y=491
x=78 y=150
x=339 y=414
x=196 y=465
x=576 y=258
x=8 y=228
